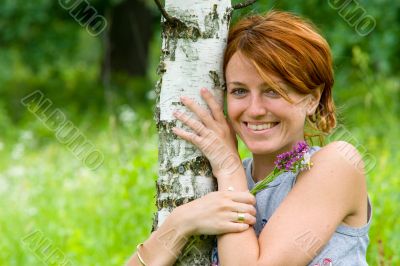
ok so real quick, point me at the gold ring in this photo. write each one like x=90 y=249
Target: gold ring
x=240 y=217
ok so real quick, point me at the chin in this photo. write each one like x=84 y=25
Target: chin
x=262 y=148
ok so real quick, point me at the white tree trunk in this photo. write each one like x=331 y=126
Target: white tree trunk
x=192 y=54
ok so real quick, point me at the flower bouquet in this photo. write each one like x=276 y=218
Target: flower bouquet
x=295 y=160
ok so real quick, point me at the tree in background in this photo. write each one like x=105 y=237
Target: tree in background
x=130 y=31
x=194 y=37
x=44 y=46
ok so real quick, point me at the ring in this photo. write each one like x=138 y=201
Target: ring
x=240 y=217
x=230 y=189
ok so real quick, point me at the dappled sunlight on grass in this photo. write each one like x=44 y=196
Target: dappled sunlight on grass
x=104 y=213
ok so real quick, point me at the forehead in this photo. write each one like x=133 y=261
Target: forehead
x=241 y=70
x=240 y=66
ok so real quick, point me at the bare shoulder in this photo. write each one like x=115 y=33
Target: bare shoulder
x=341 y=157
x=338 y=170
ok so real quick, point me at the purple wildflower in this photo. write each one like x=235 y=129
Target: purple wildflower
x=295 y=160
x=288 y=160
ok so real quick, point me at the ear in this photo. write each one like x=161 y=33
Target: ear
x=313 y=102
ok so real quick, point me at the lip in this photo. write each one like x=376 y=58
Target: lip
x=260 y=123
x=259 y=132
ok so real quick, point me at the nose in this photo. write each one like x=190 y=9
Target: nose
x=257 y=106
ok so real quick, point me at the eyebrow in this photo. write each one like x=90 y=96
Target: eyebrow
x=261 y=85
x=235 y=83
x=242 y=84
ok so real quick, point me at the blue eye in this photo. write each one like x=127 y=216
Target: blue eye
x=272 y=93
x=238 y=91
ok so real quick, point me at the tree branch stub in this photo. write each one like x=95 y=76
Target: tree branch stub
x=168 y=18
x=244 y=4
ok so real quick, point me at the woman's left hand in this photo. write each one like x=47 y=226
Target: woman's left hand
x=213 y=135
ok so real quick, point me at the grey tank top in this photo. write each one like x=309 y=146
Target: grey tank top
x=348 y=245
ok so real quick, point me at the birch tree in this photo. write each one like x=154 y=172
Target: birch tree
x=194 y=36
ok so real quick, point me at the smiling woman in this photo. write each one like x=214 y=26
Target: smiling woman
x=287 y=51
x=279 y=77
x=265 y=121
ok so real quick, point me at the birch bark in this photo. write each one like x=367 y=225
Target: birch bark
x=192 y=54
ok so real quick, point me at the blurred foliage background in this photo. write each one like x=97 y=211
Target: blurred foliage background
x=105 y=86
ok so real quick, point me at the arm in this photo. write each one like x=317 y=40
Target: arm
x=167 y=252
x=212 y=214
x=230 y=244
x=305 y=221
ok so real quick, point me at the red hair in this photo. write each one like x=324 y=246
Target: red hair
x=289 y=47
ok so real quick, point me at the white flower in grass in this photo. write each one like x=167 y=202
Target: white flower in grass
x=127 y=115
x=18 y=151
x=71 y=184
x=26 y=135
x=307 y=160
x=32 y=211
x=4 y=186
x=16 y=171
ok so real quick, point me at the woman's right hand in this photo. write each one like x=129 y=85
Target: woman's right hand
x=217 y=213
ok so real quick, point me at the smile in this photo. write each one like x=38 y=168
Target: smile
x=260 y=127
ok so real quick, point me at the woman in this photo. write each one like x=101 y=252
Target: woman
x=279 y=77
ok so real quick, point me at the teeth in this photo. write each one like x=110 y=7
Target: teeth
x=261 y=127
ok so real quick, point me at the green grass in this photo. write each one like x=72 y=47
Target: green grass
x=98 y=217
x=93 y=217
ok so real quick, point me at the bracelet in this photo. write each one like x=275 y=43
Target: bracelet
x=138 y=254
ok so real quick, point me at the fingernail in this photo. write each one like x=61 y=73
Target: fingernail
x=204 y=89
x=184 y=98
x=176 y=113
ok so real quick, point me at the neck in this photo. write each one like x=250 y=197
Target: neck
x=262 y=165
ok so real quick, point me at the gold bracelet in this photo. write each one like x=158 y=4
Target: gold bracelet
x=138 y=254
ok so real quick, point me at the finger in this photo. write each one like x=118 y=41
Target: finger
x=215 y=107
x=247 y=208
x=233 y=227
x=188 y=136
x=246 y=218
x=243 y=197
x=201 y=113
x=197 y=126
x=234 y=134
x=207 y=143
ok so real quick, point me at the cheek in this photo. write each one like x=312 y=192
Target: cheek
x=291 y=114
x=233 y=108
x=297 y=120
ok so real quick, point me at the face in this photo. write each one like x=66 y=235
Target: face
x=265 y=121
